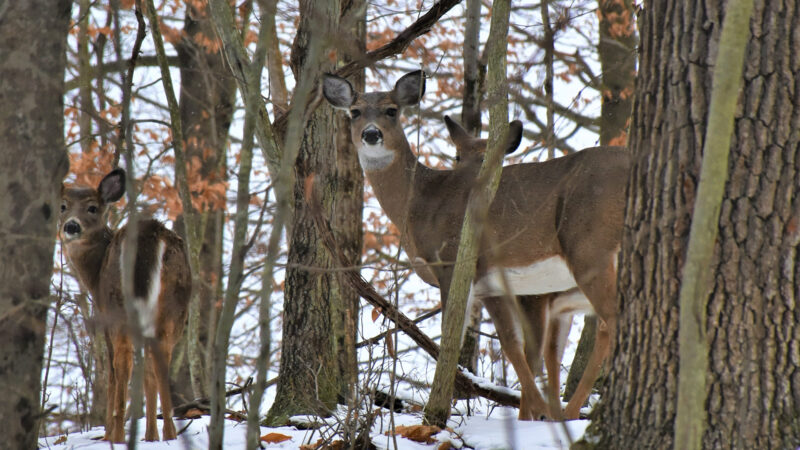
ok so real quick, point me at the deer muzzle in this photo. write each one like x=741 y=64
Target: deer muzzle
x=371 y=135
x=72 y=229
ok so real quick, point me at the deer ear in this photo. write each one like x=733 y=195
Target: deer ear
x=409 y=89
x=458 y=134
x=112 y=187
x=338 y=91
x=514 y=137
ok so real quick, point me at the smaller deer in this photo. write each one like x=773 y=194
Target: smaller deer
x=162 y=289
x=548 y=323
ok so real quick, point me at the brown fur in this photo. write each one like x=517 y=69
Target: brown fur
x=94 y=250
x=570 y=207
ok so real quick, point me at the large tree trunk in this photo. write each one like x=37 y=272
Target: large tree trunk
x=309 y=378
x=206 y=104
x=753 y=399
x=33 y=162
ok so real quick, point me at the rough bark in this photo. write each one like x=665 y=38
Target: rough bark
x=348 y=205
x=309 y=381
x=753 y=399
x=206 y=109
x=696 y=280
x=33 y=163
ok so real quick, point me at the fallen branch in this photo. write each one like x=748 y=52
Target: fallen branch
x=351 y=275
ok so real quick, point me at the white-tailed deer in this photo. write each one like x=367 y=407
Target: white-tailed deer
x=553 y=228
x=162 y=289
x=548 y=325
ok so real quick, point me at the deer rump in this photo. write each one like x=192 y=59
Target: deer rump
x=159 y=271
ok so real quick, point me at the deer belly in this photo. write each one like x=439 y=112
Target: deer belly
x=541 y=277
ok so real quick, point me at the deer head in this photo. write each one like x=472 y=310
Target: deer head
x=375 y=117
x=470 y=149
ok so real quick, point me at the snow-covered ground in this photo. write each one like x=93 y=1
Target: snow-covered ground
x=500 y=430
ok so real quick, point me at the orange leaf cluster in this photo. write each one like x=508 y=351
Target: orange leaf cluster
x=90 y=167
x=275 y=438
x=161 y=189
x=211 y=44
x=171 y=35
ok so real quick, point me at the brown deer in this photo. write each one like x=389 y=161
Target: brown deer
x=549 y=326
x=162 y=289
x=553 y=228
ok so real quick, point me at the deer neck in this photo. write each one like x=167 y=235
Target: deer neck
x=396 y=182
x=86 y=257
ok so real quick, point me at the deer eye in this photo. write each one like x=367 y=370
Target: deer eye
x=63 y=207
x=355 y=114
x=391 y=112
x=92 y=209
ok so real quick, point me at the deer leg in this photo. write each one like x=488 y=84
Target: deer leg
x=534 y=309
x=601 y=347
x=162 y=360
x=599 y=286
x=509 y=330
x=150 y=394
x=110 y=389
x=123 y=363
x=553 y=351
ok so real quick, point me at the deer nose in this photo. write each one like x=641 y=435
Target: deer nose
x=72 y=228
x=371 y=136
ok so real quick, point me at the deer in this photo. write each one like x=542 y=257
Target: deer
x=162 y=286
x=549 y=326
x=553 y=230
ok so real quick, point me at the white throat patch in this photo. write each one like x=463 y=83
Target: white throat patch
x=374 y=157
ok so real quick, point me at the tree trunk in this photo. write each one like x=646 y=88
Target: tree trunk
x=206 y=105
x=753 y=400
x=309 y=378
x=616 y=50
x=33 y=163
x=348 y=205
x=471 y=120
x=455 y=288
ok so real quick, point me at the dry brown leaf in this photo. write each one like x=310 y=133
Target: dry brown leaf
x=321 y=445
x=193 y=413
x=376 y=312
x=390 y=346
x=311 y=446
x=444 y=446
x=60 y=440
x=417 y=433
x=274 y=438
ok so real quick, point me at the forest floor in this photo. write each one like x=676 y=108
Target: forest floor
x=500 y=430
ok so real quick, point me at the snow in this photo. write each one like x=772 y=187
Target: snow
x=499 y=430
